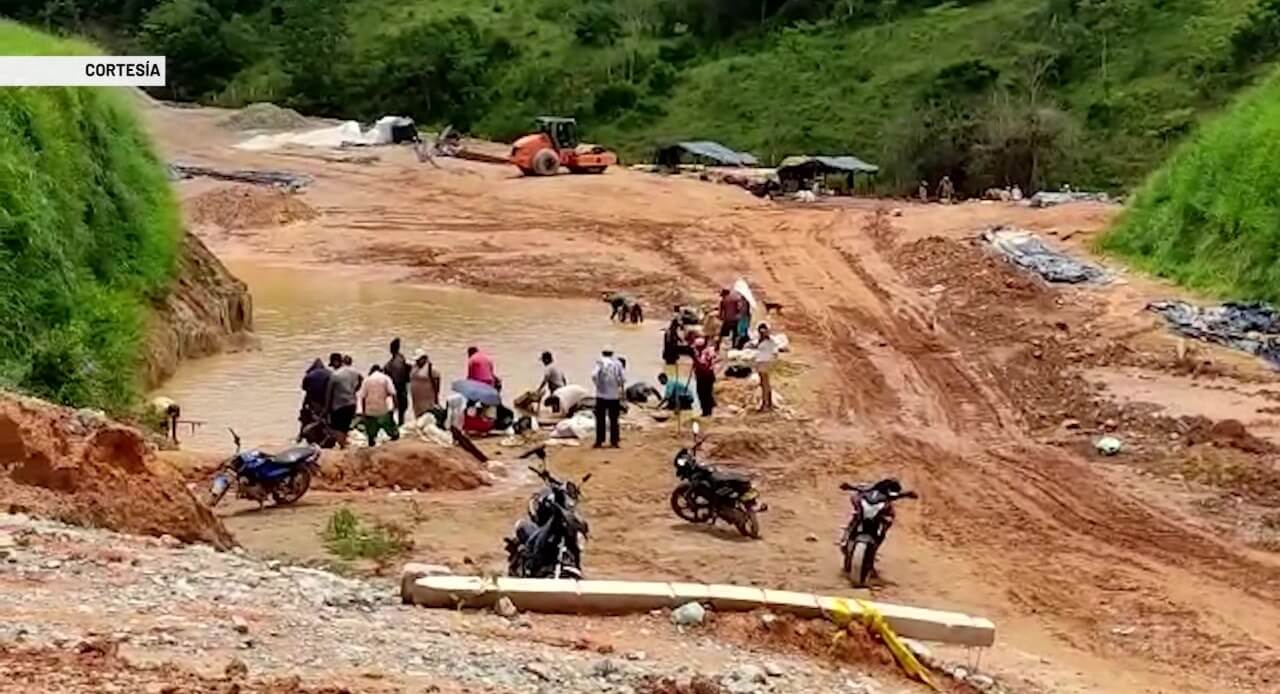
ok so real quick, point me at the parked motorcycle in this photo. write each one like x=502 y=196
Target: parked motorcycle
x=869 y=525
x=256 y=475
x=548 y=544
x=706 y=493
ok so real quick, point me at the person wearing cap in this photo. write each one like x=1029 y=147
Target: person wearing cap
x=398 y=370
x=424 y=384
x=610 y=379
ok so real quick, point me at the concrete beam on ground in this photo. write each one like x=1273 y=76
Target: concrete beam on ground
x=621 y=597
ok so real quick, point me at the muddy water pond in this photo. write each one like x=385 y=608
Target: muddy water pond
x=304 y=313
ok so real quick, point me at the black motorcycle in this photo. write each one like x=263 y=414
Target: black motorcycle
x=548 y=544
x=869 y=525
x=706 y=493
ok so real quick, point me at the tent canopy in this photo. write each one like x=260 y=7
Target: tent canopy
x=844 y=163
x=704 y=149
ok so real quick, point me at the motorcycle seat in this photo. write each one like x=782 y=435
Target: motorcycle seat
x=293 y=456
x=729 y=478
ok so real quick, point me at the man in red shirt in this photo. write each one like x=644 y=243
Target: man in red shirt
x=730 y=310
x=480 y=368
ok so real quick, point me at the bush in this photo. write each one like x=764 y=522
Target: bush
x=1207 y=218
x=349 y=538
x=197 y=43
x=89 y=234
x=434 y=71
x=614 y=99
x=595 y=24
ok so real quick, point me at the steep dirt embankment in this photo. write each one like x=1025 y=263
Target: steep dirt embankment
x=84 y=469
x=207 y=310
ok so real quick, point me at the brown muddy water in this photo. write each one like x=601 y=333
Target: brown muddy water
x=304 y=313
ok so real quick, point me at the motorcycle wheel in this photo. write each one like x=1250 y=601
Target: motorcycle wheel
x=292 y=488
x=859 y=557
x=748 y=523
x=690 y=506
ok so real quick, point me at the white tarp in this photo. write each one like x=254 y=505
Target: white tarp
x=346 y=134
x=740 y=286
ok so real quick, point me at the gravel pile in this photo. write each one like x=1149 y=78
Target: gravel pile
x=163 y=602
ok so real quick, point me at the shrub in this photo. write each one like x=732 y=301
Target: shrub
x=596 y=24
x=348 y=537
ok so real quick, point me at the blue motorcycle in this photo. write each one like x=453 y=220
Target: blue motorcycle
x=256 y=475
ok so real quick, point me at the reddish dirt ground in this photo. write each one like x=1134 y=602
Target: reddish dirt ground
x=916 y=354
x=93 y=472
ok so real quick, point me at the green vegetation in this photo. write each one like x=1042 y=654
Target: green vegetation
x=1209 y=217
x=88 y=236
x=991 y=92
x=348 y=537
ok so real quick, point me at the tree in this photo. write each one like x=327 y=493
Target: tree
x=314 y=52
x=191 y=35
x=435 y=71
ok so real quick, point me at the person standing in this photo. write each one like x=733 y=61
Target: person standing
x=610 y=378
x=743 y=332
x=480 y=368
x=315 y=392
x=424 y=385
x=946 y=190
x=377 y=400
x=766 y=357
x=704 y=375
x=672 y=345
x=923 y=193
x=397 y=369
x=340 y=400
x=730 y=305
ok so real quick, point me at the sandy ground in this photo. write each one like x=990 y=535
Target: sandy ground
x=917 y=355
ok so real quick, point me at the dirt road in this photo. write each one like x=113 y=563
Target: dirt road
x=917 y=355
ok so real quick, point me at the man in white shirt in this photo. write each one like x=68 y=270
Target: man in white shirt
x=377 y=400
x=766 y=357
x=610 y=379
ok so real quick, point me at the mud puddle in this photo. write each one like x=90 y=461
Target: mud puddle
x=305 y=313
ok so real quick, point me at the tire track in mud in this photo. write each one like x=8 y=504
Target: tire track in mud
x=1059 y=540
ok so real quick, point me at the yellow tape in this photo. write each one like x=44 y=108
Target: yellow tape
x=843 y=615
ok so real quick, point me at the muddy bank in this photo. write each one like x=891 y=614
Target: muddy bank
x=207 y=311
x=406 y=465
x=86 y=470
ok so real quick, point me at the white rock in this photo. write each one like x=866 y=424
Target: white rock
x=505 y=608
x=239 y=625
x=981 y=682
x=749 y=673
x=773 y=670
x=688 y=614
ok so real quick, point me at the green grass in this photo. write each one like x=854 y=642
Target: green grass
x=348 y=537
x=832 y=87
x=1210 y=217
x=89 y=232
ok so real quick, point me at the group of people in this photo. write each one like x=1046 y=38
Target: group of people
x=338 y=396
x=735 y=323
